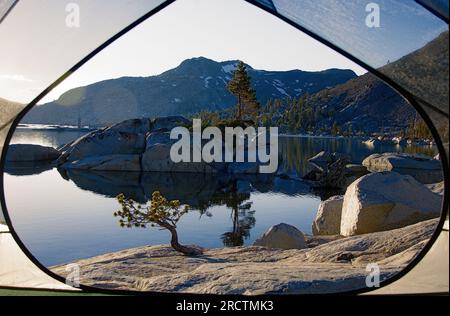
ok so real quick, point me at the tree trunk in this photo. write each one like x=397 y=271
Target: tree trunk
x=239 y=108
x=189 y=251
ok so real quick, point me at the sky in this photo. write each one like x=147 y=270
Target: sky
x=217 y=29
x=41 y=48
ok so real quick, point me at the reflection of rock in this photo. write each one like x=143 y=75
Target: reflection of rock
x=200 y=190
x=425 y=170
x=243 y=186
x=109 y=183
x=196 y=189
x=282 y=236
x=328 y=217
x=26 y=168
x=290 y=187
x=28 y=152
x=386 y=200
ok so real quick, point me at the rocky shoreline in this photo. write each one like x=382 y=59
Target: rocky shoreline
x=329 y=264
x=387 y=211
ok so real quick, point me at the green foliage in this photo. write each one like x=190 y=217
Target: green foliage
x=418 y=129
x=208 y=118
x=240 y=86
x=161 y=212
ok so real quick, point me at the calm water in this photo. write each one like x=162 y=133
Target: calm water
x=64 y=216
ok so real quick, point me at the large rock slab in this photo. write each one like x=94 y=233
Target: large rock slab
x=28 y=153
x=157 y=158
x=133 y=126
x=328 y=217
x=324 y=158
x=256 y=270
x=106 y=163
x=423 y=169
x=391 y=161
x=160 y=136
x=104 y=142
x=386 y=200
x=282 y=236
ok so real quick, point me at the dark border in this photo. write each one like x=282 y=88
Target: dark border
x=402 y=91
x=409 y=97
x=8 y=11
x=433 y=10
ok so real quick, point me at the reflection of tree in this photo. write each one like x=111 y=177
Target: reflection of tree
x=243 y=221
x=242 y=218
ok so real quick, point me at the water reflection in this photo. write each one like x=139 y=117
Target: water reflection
x=45 y=137
x=201 y=191
x=227 y=210
x=295 y=151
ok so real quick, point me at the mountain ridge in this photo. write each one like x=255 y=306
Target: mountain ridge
x=196 y=84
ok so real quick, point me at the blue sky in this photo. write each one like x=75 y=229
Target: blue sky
x=216 y=29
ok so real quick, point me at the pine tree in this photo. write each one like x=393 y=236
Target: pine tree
x=334 y=129
x=240 y=86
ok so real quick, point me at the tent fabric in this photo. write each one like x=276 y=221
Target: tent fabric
x=69 y=45
x=431 y=275
x=439 y=7
x=5 y=7
x=16 y=270
x=405 y=26
x=334 y=21
x=3 y=226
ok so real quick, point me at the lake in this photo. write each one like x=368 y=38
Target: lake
x=63 y=216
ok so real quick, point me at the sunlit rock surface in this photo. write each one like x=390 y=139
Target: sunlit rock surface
x=386 y=200
x=332 y=266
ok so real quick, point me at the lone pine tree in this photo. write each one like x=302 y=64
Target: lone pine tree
x=161 y=212
x=240 y=86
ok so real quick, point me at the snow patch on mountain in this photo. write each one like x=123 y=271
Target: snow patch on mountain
x=229 y=68
x=282 y=91
x=206 y=81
